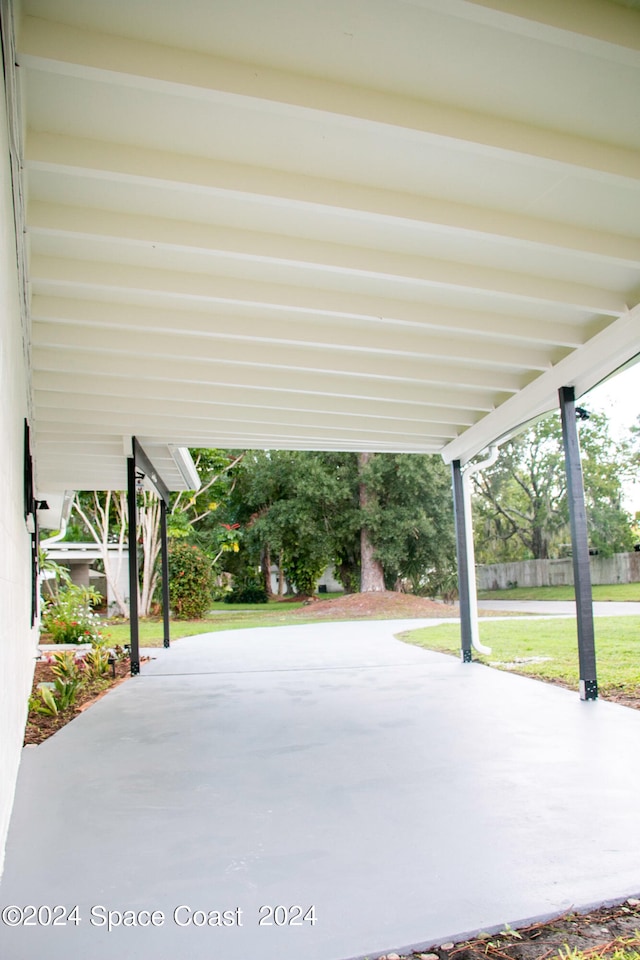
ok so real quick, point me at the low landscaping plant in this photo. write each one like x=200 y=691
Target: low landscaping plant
x=246 y=588
x=75 y=675
x=69 y=618
x=97 y=662
x=62 y=693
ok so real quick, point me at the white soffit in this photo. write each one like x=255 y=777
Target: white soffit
x=392 y=226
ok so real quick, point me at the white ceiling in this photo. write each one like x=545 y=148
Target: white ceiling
x=358 y=224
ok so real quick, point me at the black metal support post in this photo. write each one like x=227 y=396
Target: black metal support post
x=133 y=566
x=463 y=561
x=164 y=548
x=579 y=546
x=144 y=465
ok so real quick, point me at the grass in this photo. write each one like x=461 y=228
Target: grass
x=223 y=616
x=615 y=950
x=617 y=648
x=603 y=592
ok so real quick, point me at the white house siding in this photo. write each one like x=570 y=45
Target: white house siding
x=17 y=639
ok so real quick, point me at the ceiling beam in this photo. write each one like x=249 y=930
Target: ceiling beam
x=477 y=365
x=240 y=434
x=45 y=45
x=117 y=162
x=54 y=390
x=436 y=404
x=437 y=379
x=74 y=407
x=247 y=337
x=230 y=442
x=494 y=285
x=256 y=318
x=227 y=245
x=377 y=205
x=609 y=29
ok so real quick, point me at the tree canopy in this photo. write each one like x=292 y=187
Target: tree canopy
x=382 y=520
x=307 y=510
x=520 y=503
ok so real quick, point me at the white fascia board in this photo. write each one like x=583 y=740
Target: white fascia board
x=186 y=466
x=583 y=369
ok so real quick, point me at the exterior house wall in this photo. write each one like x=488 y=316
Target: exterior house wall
x=621 y=568
x=78 y=557
x=17 y=638
x=328 y=580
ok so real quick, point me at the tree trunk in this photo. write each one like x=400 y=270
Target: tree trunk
x=149 y=522
x=539 y=544
x=96 y=521
x=265 y=566
x=371 y=572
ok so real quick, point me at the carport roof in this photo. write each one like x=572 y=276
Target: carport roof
x=398 y=225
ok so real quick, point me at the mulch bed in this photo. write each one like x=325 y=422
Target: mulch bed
x=599 y=933
x=383 y=604
x=40 y=726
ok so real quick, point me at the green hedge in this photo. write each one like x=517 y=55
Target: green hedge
x=190 y=581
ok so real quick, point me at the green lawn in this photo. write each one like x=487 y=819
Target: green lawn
x=613 y=591
x=617 y=648
x=223 y=616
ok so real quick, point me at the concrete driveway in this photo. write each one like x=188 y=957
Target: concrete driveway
x=253 y=775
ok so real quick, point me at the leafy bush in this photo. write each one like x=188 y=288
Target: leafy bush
x=96 y=662
x=247 y=588
x=64 y=692
x=442 y=583
x=69 y=617
x=304 y=568
x=190 y=581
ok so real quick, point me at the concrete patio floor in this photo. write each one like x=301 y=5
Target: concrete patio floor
x=407 y=797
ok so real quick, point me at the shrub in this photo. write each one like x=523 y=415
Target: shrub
x=63 y=693
x=247 y=588
x=304 y=568
x=190 y=581
x=96 y=662
x=443 y=583
x=69 y=617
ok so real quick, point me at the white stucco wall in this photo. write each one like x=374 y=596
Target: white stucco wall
x=17 y=639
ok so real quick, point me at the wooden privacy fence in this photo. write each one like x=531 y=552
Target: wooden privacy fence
x=620 y=568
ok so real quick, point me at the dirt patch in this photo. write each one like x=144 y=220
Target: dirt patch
x=40 y=726
x=385 y=605
x=599 y=933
